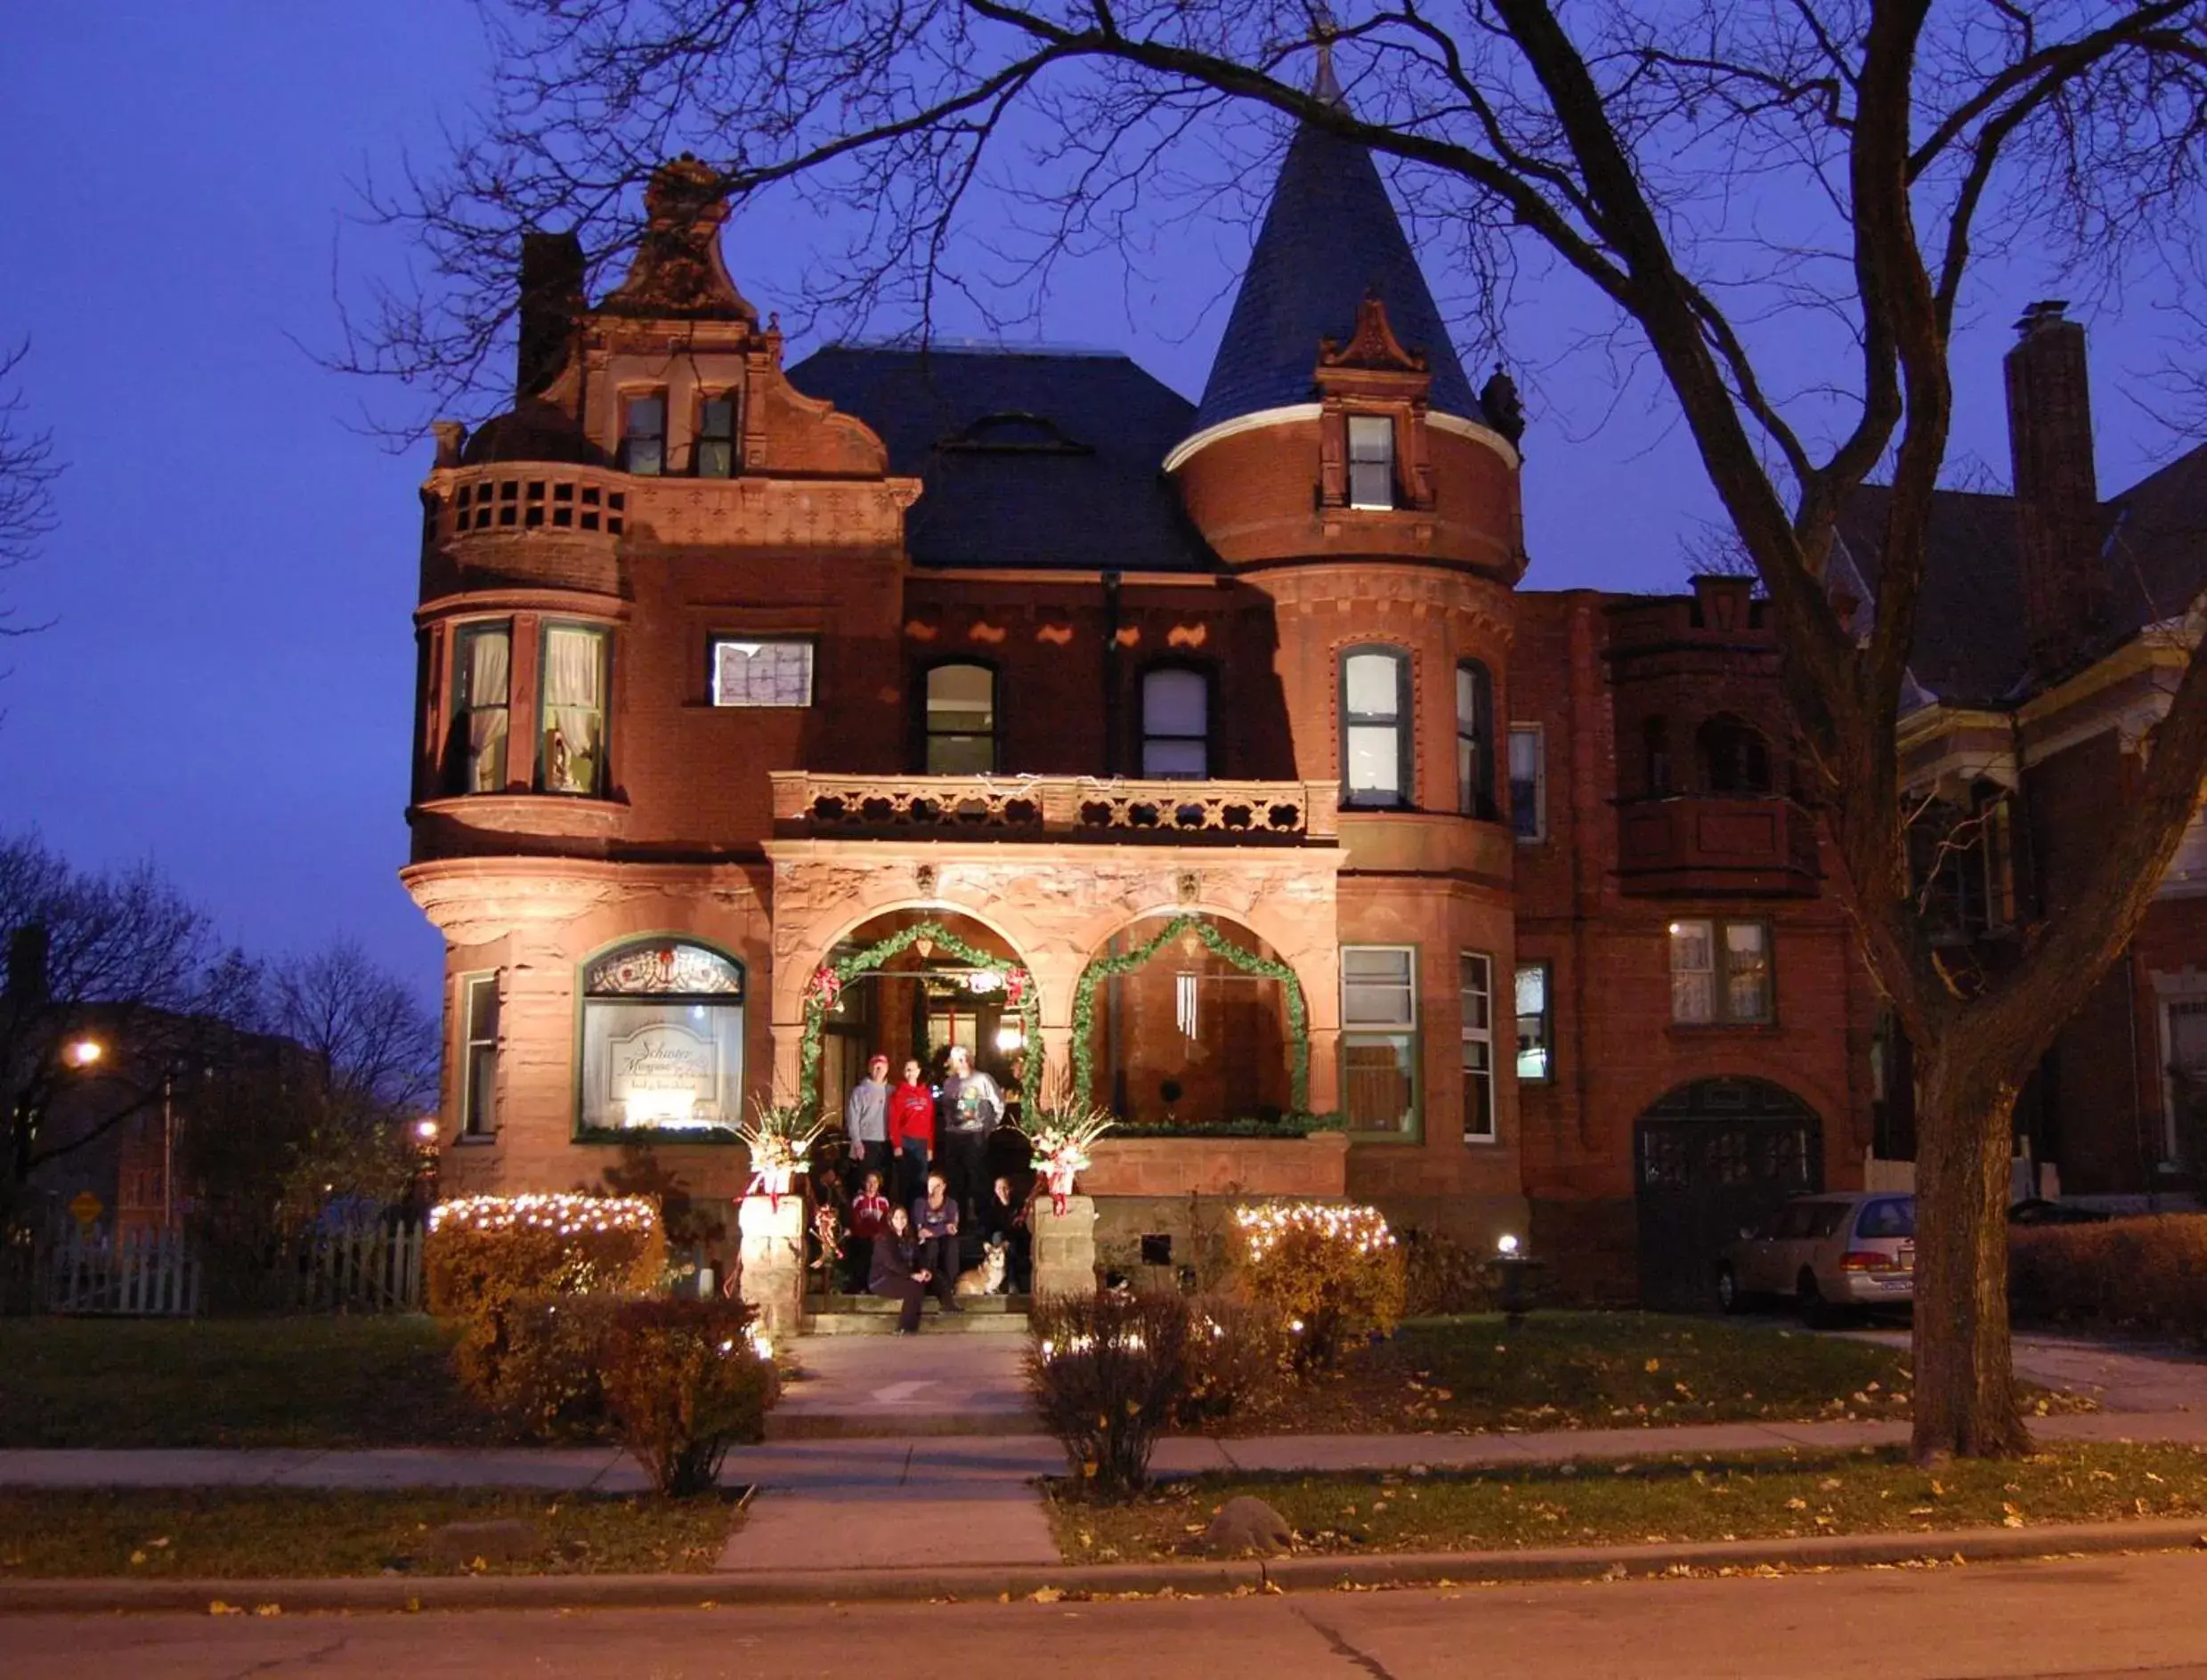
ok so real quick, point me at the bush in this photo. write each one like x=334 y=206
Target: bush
x=486 y=1255
x=1330 y=1272
x=548 y=1386
x=1108 y=1372
x=2147 y=1274
x=684 y=1382
x=1442 y=1276
x=1236 y=1353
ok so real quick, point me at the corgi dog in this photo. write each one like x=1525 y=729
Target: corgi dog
x=988 y=1278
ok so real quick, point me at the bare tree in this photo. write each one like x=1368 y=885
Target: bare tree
x=1740 y=189
x=372 y=1039
x=28 y=470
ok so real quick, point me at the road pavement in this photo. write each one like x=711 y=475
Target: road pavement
x=2128 y=1616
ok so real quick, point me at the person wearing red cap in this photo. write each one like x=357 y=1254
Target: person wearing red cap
x=865 y=1122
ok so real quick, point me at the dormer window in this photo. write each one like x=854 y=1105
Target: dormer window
x=1371 y=461
x=644 y=434
x=715 y=437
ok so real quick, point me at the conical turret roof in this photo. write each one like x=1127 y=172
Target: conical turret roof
x=1330 y=236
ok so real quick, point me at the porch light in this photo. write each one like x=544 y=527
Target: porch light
x=1011 y=1038
x=983 y=980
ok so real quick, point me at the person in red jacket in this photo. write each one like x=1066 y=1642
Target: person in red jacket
x=869 y=1218
x=912 y=1131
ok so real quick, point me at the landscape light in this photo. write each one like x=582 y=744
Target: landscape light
x=1507 y=1245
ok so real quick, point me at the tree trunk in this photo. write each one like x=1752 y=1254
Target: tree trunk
x=1964 y=1393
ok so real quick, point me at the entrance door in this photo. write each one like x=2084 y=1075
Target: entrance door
x=1708 y=1160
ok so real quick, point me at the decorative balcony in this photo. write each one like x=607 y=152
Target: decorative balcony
x=472 y=500
x=1714 y=845
x=1085 y=808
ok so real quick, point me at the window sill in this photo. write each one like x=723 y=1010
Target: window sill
x=657 y=1137
x=475 y=1140
x=550 y=813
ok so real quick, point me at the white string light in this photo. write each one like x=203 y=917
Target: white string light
x=566 y=1213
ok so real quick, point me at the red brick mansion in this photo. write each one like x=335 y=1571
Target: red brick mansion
x=1205 y=760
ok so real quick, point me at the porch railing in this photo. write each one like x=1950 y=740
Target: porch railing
x=1058 y=808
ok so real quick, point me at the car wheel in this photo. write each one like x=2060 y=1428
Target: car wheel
x=1809 y=1300
x=1728 y=1296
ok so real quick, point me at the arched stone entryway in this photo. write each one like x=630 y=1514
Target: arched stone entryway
x=1709 y=1158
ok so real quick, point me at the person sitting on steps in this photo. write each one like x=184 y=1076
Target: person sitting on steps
x=935 y=1228
x=895 y=1274
x=1004 y=1220
x=869 y=1218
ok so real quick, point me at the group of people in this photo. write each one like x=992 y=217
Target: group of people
x=929 y=1146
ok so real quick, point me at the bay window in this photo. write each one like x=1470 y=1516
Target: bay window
x=1376 y=762
x=662 y=1041
x=1475 y=989
x=1379 y=1038
x=482 y=677
x=479 y=1038
x=1474 y=740
x=572 y=726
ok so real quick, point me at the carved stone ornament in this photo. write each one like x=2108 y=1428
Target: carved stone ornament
x=1188 y=886
x=1373 y=345
x=677 y=269
x=923 y=879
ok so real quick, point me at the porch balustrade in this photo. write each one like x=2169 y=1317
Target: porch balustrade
x=1058 y=808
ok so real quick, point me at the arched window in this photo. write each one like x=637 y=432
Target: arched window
x=958 y=720
x=1176 y=723
x=1655 y=755
x=1474 y=740
x=1375 y=763
x=1734 y=757
x=662 y=1041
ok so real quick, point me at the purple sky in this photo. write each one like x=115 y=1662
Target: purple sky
x=227 y=686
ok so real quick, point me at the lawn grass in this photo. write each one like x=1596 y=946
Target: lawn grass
x=1664 y=1497
x=1594 y=1370
x=244 y=1532
x=304 y=1381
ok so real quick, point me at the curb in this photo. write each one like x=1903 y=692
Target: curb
x=103 y=1596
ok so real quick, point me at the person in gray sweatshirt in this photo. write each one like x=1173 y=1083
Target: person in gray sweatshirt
x=865 y=1122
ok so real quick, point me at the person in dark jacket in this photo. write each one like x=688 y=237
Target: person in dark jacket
x=935 y=1228
x=911 y=1130
x=1004 y=1219
x=895 y=1274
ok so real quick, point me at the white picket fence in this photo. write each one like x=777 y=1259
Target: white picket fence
x=151 y=1273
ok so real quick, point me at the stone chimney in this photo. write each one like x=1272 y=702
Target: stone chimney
x=28 y=949
x=2049 y=437
x=551 y=302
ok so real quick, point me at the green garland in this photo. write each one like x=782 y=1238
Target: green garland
x=817 y=1001
x=1247 y=961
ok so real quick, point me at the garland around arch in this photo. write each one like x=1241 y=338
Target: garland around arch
x=1247 y=961
x=829 y=979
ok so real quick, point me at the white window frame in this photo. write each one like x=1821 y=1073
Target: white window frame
x=753 y=645
x=1393 y=1029
x=1546 y=969
x=478 y=1119
x=1381 y=427
x=1538 y=734
x=1482 y=1037
x=1716 y=929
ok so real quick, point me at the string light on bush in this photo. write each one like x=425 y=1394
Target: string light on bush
x=566 y=1213
x=1266 y=1226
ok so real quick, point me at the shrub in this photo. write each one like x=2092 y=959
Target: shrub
x=1236 y=1353
x=1442 y=1276
x=1108 y=1372
x=1330 y=1272
x=548 y=1386
x=486 y=1255
x=684 y=1382
x=2147 y=1274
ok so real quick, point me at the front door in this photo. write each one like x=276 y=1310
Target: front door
x=1710 y=1158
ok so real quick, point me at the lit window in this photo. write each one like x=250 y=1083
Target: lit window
x=573 y=747
x=959 y=720
x=1376 y=726
x=1719 y=972
x=1536 y=1058
x=1379 y=1038
x=1474 y=740
x=644 y=434
x=761 y=673
x=1371 y=461
x=478 y=1095
x=482 y=671
x=662 y=1041
x=1528 y=782
x=1475 y=990
x=715 y=437
x=1176 y=724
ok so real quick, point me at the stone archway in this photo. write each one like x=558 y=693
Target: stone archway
x=1710 y=1158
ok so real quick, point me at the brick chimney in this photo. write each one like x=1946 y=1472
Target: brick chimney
x=2050 y=436
x=551 y=299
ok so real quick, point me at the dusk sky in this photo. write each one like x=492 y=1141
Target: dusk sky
x=226 y=686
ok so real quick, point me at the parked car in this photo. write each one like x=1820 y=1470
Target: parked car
x=2039 y=1211
x=1849 y=1249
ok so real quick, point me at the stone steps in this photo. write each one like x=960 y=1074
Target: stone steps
x=872 y=1315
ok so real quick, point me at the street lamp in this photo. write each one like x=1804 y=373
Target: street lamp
x=83 y=1052
x=425 y=1128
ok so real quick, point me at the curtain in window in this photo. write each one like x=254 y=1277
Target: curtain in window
x=574 y=709
x=1692 y=972
x=1747 y=972
x=489 y=655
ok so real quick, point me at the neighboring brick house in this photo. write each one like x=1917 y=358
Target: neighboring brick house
x=2053 y=627
x=1203 y=759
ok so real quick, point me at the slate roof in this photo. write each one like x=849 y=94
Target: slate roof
x=1330 y=235
x=1030 y=458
